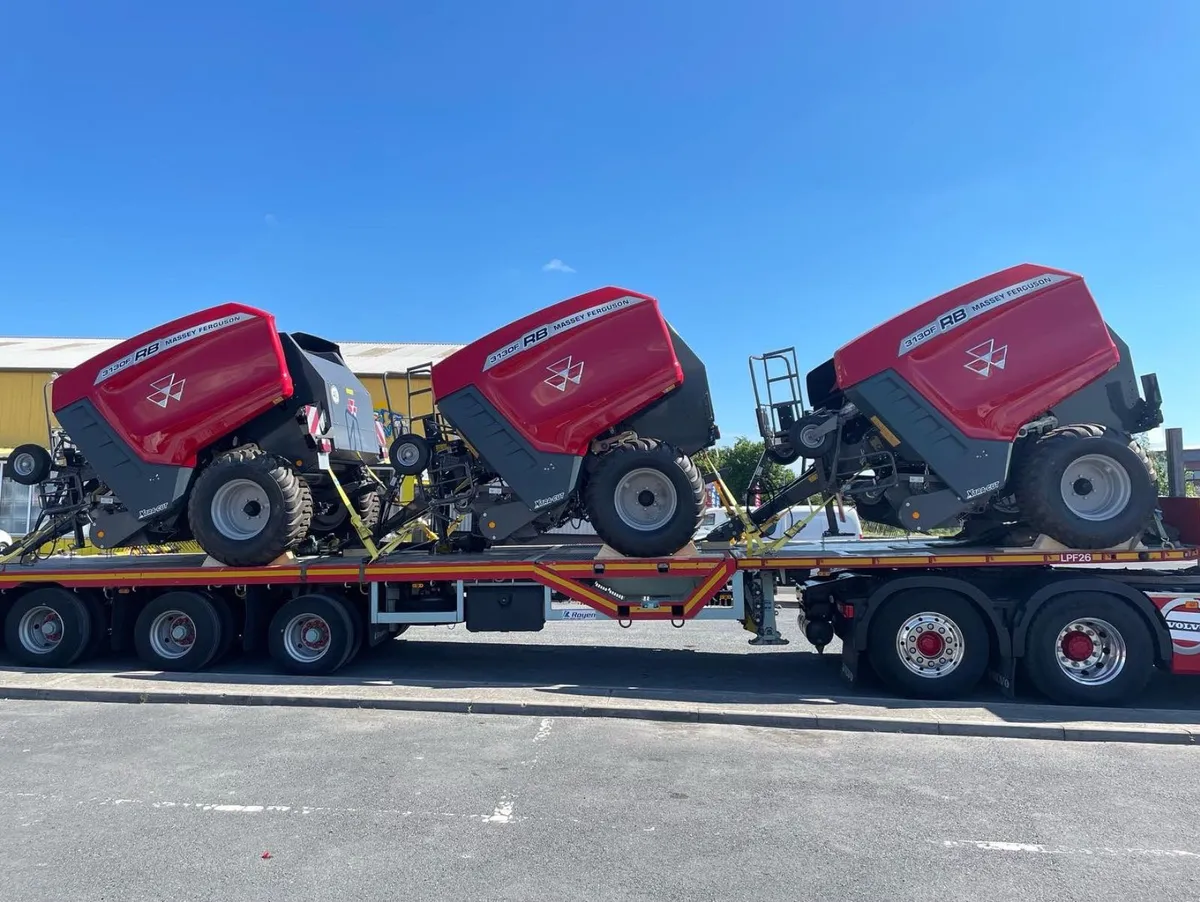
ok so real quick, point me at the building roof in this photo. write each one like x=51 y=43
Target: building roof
x=365 y=358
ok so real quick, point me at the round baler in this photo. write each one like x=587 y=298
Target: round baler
x=214 y=427
x=1007 y=406
x=588 y=409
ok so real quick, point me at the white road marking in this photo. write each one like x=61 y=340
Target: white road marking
x=543 y=730
x=1040 y=849
x=502 y=814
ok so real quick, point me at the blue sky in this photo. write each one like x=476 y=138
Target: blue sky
x=774 y=172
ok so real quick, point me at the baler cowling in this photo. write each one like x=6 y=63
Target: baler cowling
x=218 y=407
x=1007 y=404
x=563 y=411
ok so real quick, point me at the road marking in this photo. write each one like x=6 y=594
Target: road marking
x=543 y=730
x=502 y=814
x=1040 y=849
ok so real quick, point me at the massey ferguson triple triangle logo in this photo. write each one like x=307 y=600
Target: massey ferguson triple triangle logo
x=564 y=371
x=986 y=357
x=166 y=389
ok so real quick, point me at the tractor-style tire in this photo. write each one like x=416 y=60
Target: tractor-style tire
x=248 y=508
x=337 y=524
x=644 y=499
x=28 y=465
x=1086 y=487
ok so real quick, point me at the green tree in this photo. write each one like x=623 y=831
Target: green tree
x=736 y=463
x=1159 y=460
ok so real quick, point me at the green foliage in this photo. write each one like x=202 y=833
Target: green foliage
x=737 y=463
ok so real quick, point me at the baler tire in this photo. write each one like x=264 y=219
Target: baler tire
x=1040 y=498
x=605 y=476
x=28 y=465
x=288 y=521
x=369 y=507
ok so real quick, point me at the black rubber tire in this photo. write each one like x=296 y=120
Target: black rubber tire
x=420 y=450
x=71 y=611
x=606 y=472
x=784 y=456
x=885 y=659
x=358 y=623
x=98 y=615
x=203 y=613
x=1040 y=661
x=1039 y=497
x=287 y=524
x=826 y=443
x=341 y=634
x=28 y=465
x=229 y=628
x=369 y=507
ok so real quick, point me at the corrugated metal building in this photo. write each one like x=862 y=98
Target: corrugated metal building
x=27 y=365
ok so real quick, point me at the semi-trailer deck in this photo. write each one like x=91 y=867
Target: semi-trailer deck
x=931 y=618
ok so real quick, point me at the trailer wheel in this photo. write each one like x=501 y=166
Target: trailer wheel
x=1086 y=487
x=178 y=631
x=48 y=627
x=28 y=465
x=644 y=499
x=929 y=643
x=248 y=508
x=312 y=635
x=229 y=627
x=1089 y=648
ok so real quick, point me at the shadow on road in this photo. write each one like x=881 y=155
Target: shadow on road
x=767 y=677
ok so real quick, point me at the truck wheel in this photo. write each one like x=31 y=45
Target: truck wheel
x=312 y=635
x=178 y=631
x=1088 y=648
x=645 y=499
x=929 y=643
x=409 y=454
x=247 y=508
x=1086 y=487
x=48 y=627
x=28 y=465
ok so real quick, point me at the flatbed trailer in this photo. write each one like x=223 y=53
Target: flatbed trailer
x=931 y=619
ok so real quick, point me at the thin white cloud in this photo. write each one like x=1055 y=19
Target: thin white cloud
x=556 y=265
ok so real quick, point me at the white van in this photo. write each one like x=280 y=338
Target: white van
x=812 y=531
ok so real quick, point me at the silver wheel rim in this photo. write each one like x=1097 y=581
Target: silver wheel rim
x=930 y=645
x=408 y=454
x=307 y=637
x=240 y=509
x=1096 y=488
x=23 y=464
x=40 y=630
x=172 y=634
x=1090 y=652
x=646 y=499
x=809 y=438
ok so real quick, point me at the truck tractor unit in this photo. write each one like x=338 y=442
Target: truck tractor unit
x=588 y=409
x=214 y=427
x=1007 y=406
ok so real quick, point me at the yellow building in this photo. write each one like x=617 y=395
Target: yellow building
x=27 y=366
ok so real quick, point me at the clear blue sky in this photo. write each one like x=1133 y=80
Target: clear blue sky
x=775 y=172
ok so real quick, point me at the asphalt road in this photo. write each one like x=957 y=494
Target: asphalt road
x=132 y=803
x=698 y=662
